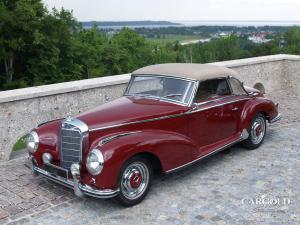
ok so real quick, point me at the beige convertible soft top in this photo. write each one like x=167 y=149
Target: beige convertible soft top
x=187 y=70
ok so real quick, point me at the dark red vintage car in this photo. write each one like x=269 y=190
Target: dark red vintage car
x=171 y=116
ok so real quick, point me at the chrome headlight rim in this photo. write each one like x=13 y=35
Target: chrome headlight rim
x=32 y=142
x=95 y=162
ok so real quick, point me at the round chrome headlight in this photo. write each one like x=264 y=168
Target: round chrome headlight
x=94 y=162
x=32 y=142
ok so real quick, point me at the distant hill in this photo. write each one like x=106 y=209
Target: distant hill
x=128 y=23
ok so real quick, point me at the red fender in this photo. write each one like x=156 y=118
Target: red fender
x=172 y=149
x=255 y=106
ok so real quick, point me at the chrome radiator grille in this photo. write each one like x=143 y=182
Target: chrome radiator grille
x=72 y=133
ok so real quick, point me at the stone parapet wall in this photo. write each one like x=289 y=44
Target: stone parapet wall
x=23 y=109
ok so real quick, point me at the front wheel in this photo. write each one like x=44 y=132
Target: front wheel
x=134 y=181
x=257 y=132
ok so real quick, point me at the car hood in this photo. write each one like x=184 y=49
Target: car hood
x=128 y=109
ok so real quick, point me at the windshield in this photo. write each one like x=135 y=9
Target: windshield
x=161 y=87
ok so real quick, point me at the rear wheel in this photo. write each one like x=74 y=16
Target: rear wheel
x=134 y=181
x=257 y=132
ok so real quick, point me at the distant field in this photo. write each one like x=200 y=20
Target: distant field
x=174 y=37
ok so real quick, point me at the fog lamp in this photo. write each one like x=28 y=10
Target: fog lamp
x=47 y=158
x=75 y=170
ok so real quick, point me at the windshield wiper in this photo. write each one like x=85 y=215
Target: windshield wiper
x=147 y=95
x=171 y=95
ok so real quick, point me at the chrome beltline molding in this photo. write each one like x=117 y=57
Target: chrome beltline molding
x=244 y=135
x=217 y=105
x=167 y=117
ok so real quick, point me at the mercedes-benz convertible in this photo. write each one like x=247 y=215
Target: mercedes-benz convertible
x=170 y=116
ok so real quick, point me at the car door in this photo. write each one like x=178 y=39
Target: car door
x=211 y=120
x=230 y=115
x=233 y=105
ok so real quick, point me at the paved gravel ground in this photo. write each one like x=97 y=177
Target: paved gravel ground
x=234 y=187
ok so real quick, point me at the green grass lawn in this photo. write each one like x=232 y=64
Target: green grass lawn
x=21 y=144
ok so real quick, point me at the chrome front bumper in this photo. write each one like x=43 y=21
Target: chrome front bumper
x=277 y=118
x=79 y=188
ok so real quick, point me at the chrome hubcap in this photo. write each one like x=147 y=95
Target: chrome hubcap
x=258 y=130
x=135 y=180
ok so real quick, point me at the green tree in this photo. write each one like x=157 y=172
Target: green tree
x=19 y=21
x=135 y=48
x=54 y=50
x=229 y=48
x=38 y=46
x=113 y=60
x=292 y=38
x=88 y=47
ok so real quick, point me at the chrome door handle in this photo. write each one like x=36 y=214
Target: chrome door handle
x=235 y=109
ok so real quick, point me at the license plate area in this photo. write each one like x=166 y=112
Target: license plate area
x=56 y=170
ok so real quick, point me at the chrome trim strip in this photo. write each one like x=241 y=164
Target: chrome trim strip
x=87 y=190
x=215 y=100
x=105 y=193
x=187 y=91
x=217 y=105
x=194 y=92
x=166 y=117
x=43 y=123
x=114 y=137
x=164 y=75
x=277 y=118
x=242 y=137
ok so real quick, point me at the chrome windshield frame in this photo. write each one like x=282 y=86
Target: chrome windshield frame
x=193 y=86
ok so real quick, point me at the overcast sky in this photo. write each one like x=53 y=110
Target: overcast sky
x=112 y=10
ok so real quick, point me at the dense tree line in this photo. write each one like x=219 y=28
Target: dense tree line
x=38 y=46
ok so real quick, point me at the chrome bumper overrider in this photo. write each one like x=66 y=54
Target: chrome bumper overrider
x=79 y=188
x=277 y=118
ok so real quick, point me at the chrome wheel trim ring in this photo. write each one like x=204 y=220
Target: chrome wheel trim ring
x=135 y=169
x=258 y=130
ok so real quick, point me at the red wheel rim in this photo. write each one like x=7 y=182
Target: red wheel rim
x=136 y=179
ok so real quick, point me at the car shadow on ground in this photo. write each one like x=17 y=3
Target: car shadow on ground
x=161 y=182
